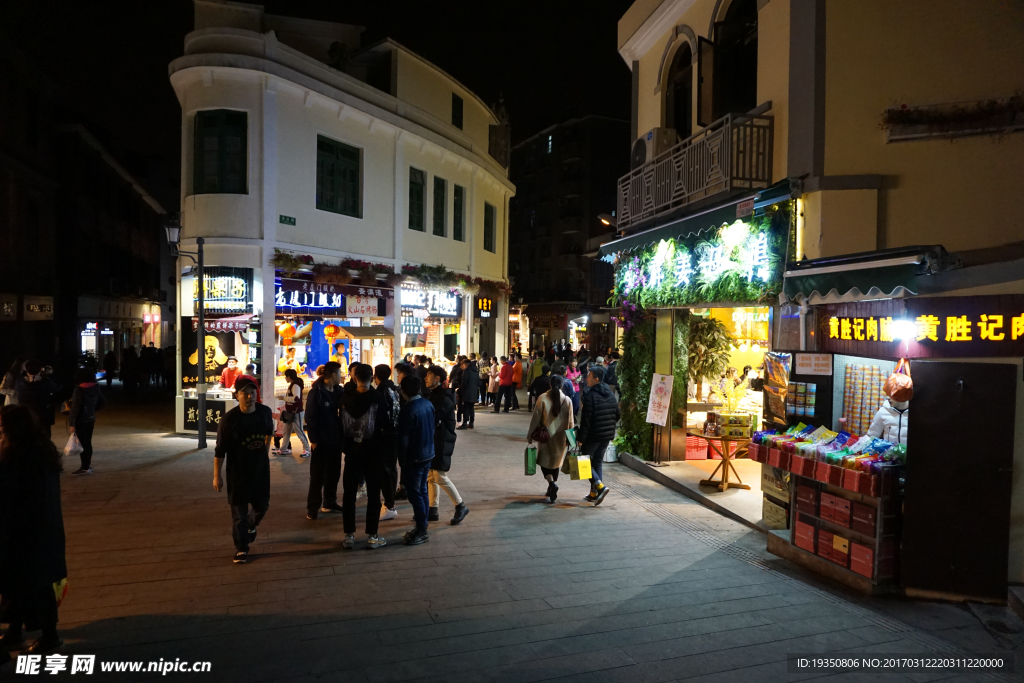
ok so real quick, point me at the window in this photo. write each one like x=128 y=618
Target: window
x=337 y=177
x=456 y=111
x=459 y=215
x=551 y=138
x=417 y=199
x=220 y=161
x=679 y=94
x=490 y=220
x=440 y=205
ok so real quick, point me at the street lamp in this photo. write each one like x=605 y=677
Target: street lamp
x=608 y=219
x=173 y=227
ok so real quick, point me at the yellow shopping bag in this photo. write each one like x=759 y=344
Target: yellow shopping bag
x=579 y=467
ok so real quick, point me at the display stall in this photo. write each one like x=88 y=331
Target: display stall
x=895 y=487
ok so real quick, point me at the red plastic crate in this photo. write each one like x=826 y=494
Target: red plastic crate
x=821 y=471
x=696 y=448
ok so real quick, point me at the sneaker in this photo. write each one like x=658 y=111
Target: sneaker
x=460 y=513
x=45 y=645
x=600 y=496
x=432 y=515
x=275 y=451
x=81 y=471
x=331 y=508
x=590 y=497
x=375 y=542
x=349 y=542
x=305 y=454
x=387 y=513
x=241 y=557
x=285 y=451
x=311 y=515
x=252 y=535
x=465 y=426
x=417 y=536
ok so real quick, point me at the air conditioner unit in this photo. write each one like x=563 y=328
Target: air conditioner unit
x=651 y=144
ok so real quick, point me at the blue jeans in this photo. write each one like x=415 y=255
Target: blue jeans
x=595 y=449
x=414 y=479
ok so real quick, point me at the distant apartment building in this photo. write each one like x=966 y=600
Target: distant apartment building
x=565 y=178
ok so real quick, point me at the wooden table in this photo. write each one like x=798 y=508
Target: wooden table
x=726 y=465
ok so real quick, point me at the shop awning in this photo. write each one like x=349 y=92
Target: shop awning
x=889 y=274
x=697 y=223
x=367 y=332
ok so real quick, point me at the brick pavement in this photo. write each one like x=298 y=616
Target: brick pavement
x=648 y=587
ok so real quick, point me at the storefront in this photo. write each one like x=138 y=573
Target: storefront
x=432 y=322
x=913 y=496
x=696 y=301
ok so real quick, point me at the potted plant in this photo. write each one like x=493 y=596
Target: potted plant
x=708 y=350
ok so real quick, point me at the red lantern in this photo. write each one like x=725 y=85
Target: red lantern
x=287 y=331
x=331 y=331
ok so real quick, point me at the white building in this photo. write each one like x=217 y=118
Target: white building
x=381 y=158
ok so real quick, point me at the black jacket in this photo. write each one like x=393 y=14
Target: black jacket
x=611 y=376
x=540 y=385
x=599 y=414
x=322 y=421
x=362 y=417
x=85 y=401
x=31 y=525
x=38 y=397
x=444 y=429
x=469 y=384
x=455 y=377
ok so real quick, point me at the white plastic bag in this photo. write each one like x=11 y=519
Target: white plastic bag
x=74 y=446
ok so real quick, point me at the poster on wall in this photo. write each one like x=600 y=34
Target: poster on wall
x=219 y=345
x=813 y=364
x=661 y=399
x=360 y=306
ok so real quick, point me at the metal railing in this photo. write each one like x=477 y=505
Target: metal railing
x=732 y=153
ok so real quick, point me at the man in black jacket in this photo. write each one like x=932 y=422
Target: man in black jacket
x=36 y=392
x=598 y=416
x=363 y=416
x=444 y=446
x=469 y=392
x=324 y=429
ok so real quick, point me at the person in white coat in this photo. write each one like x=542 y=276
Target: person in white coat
x=890 y=422
x=553 y=411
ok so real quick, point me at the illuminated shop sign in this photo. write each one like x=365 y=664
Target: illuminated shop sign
x=740 y=262
x=225 y=290
x=300 y=299
x=484 y=307
x=441 y=304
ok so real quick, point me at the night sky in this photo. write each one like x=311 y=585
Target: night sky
x=551 y=61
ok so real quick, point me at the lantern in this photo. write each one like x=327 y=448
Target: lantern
x=331 y=331
x=287 y=331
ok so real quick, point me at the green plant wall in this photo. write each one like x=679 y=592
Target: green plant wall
x=635 y=371
x=680 y=365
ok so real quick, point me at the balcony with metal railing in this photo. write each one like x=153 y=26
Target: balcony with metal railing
x=731 y=154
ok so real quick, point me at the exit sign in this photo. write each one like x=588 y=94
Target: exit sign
x=287 y=220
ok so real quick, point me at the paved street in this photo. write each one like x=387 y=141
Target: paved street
x=648 y=587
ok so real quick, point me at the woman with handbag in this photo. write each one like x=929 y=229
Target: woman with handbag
x=292 y=414
x=551 y=417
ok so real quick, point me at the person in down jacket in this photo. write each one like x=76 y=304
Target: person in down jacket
x=890 y=422
x=598 y=418
x=444 y=446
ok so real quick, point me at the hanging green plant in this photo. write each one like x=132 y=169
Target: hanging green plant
x=288 y=263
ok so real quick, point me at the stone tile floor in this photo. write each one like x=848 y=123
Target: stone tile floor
x=650 y=586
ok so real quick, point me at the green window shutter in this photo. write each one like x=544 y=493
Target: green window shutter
x=221 y=152
x=459 y=214
x=417 y=199
x=440 y=205
x=490 y=215
x=338 y=177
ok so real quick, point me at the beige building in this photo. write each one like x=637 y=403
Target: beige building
x=300 y=141
x=895 y=127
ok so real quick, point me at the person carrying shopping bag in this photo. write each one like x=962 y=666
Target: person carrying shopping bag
x=293 y=421
x=85 y=401
x=550 y=419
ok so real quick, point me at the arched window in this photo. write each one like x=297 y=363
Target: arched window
x=679 y=93
x=735 y=69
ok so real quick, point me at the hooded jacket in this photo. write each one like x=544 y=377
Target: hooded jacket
x=890 y=424
x=362 y=417
x=322 y=421
x=469 y=384
x=599 y=414
x=444 y=428
x=416 y=432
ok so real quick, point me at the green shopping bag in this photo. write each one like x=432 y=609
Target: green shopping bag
x=570 y=437
x=531 y=460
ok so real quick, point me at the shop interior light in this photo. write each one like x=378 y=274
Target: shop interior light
x=903 y=330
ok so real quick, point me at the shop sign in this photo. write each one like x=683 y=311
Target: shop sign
x=484 y=307
x=440 y=304
x=106 y=332
x=90 y=329
x=156 y=318
x=147 y=318
x=359 y=306
x=742 y=262
x=215 y=410
x=219 y=345
x=225 y=290
x=928 y=327
x=214 y=325
x=660 y=399
x=292 y=285
x=813 y=364
x=38 y=308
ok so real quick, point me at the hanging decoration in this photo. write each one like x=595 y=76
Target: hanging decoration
x=331 y=332
x=287 y=331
